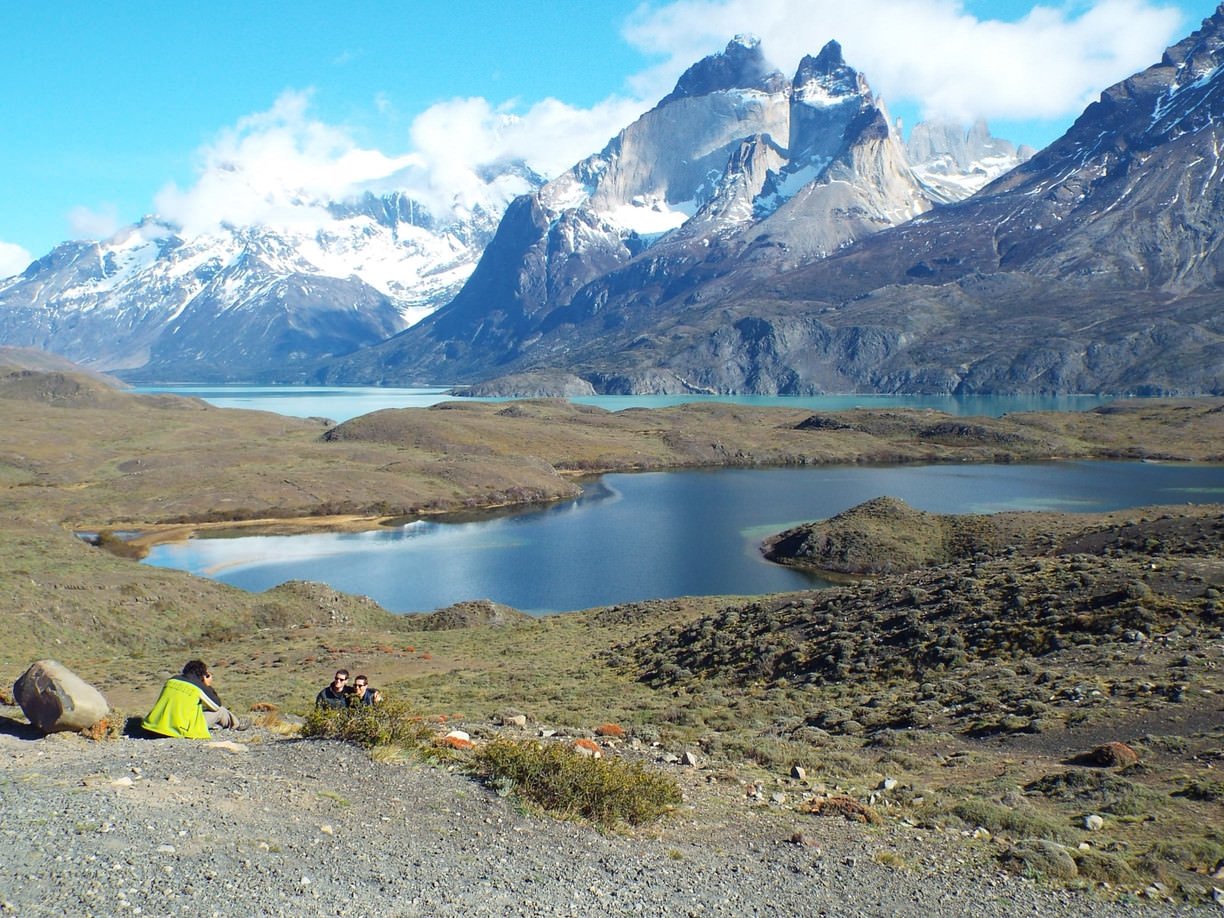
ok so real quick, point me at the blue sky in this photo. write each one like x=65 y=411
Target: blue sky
x=113 y=111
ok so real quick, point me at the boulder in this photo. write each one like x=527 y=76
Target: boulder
x=1114 y=755
x=55 y=699
x=588 y=748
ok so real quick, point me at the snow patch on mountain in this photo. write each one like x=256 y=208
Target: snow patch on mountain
x=953 y=163
x=387 y=249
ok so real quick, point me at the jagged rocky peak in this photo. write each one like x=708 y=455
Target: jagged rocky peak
x=390 y=210
x=953 y=162
x=1192 y=96
x=1199 y=54
x=826 y=78
x=826 y=96
x=740 y=66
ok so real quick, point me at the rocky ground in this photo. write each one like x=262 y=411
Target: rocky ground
x=974 y=676
x=257 y=823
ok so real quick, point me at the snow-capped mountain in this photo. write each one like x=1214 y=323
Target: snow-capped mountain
x=952 y=163
x=1095 y=266
x=737 y=169
x=252 y=302
x=737 y=165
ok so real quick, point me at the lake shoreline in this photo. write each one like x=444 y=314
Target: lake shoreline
x=967 y=751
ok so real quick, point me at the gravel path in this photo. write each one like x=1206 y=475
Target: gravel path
x=261 y=825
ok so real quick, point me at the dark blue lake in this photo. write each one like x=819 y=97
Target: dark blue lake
x=644 y=536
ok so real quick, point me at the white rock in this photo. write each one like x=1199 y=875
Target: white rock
x=1093 y=822
x=56 y=699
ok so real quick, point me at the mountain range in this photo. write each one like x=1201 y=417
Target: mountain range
x=752 y=232
x=243 y=303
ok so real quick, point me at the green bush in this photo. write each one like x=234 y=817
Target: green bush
x=1209 y=791
x=1106 y=792
x=390 y=723
x=568 y=784
x=1020 y=823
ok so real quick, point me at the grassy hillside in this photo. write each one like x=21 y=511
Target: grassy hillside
x=959 y=691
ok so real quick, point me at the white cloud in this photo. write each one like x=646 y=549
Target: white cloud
x=13 y=259
x=276 y=167
x=929 y=52
x=550 y=136
x=282 y=165
x=87 y=223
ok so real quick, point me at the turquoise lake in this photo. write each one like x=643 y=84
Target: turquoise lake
x=340 y=403
x=652 y=535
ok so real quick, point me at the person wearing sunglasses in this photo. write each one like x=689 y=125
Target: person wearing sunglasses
x=336 y=694
x=363 y=693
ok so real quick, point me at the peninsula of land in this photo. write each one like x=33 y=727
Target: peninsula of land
x=959 y=690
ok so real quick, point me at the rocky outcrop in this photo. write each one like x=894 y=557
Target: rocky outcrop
x=55 y=699
x=474 y=614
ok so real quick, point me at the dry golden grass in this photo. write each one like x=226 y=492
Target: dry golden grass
x=80 y=458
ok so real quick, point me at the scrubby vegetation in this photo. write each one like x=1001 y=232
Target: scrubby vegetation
x=392 y=723
x=565 y=782
x=962 y=699
x=554 y=776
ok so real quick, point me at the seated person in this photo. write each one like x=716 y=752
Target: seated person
x=335 y=695
x=188 y=705
x=363 y=693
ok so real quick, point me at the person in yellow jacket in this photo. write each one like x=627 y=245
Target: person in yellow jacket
x=188 y=705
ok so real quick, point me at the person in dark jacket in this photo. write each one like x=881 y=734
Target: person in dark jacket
x=363 y=693
x=335 y=695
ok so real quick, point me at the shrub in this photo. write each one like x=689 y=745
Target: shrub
x=1103 y=866
x=846 y=807
x=390 y=723
x=1210 y=791
x=1107 y=792
x=1019 y=823
x=110 y=727
x=567 y=784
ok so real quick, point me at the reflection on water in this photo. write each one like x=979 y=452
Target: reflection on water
x=659 y=534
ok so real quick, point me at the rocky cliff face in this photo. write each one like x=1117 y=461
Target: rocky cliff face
x=952 y=163
x=737 y=169
x=1095 y=266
